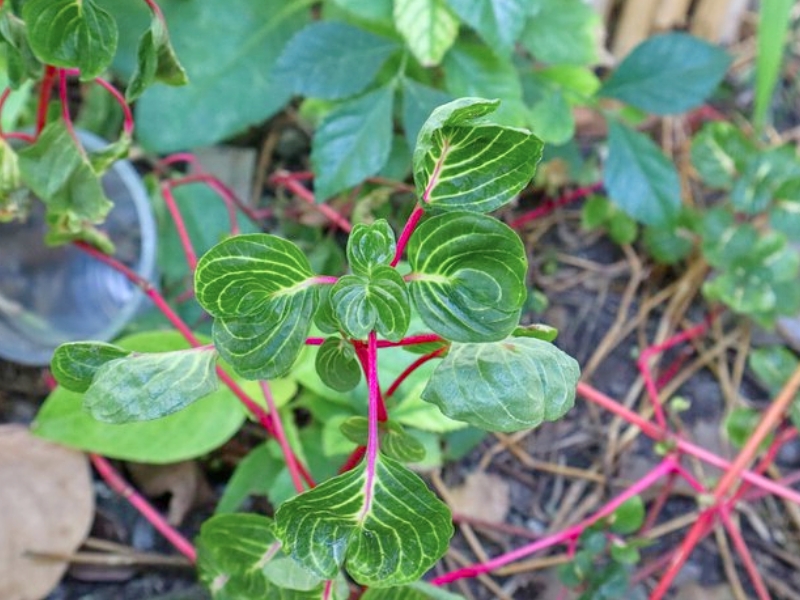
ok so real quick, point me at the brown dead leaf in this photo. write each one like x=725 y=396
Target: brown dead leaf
x=184 y=481
x=46 y=506
x=482 y=496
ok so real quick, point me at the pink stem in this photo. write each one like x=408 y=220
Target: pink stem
x=44 y=97
x=315 y=341
x=121 y=487
x=62 y=93
x=411 y=368
x=292 y=184
x=412 y=340
x=405 y=235
x=550 y=205
x=744 y=554
x=362 y=353
x=180 y=225
x=280 y=435
x=128 y=123
x=373 y=441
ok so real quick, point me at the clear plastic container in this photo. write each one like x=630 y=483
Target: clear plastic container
x=49 y=296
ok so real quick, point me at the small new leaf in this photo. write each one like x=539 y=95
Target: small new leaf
x=462 y=162
x=394 y=441
x=140 y=387
x=337 y=365
x=369 y=246
x=385 y=531
x=75 y=364
x=504 y=386
x=156 y=61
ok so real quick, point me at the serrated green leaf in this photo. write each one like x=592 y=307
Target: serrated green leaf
x=498 y=22
x=720 y=151
x=332 y=60
x=639 y=178
x=156 y=61
x=385 y=530
x=379 y=302
x=467 y=276
x=71 y=34
x=418 y=103
x=337 y=364
x=563 y=32
x=668 y=74
x=739 y=425
x=773 y=366
x=784 y=216
x=370 y=245
x=463 y=164
x=504 y=386
x=75 y=364
x=429 y=28
x=352 y=142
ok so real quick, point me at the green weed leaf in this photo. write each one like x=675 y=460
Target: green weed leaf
x=762 y=176
x=156 y=61
x=75 y=364
x=562 y=32
x=640 y=179
x=337 y=364
x=419 y=101
x=428 y=26
x=720 y=151
x=352 y=142
x=784 y=216
x=668 y=74
x=629 y=516
x=461 y=163
x=22 y=64
x=370 y=245
x=332 y=60
x=386 y=531
x=71 y=34
x=498 y=22
x=504 y=386
x=395 y=442
x=467 y=276
x=379 y=302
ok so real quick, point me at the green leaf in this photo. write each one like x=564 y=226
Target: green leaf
x=563 y=32
x=429 y=28
x=75 y=364
x=22 y=64
x=774 y=23
x=352 y=142
x=423 y=416
x=504 y=386
x=71 y=33
x=739 y=425
x=720 y=151
x=762 y=176
x=624 y=553
x=539 y=331
x=325 y=318
x=379 y=302
x=668 y=74
x=773 y=366
x=419 y=590
x=639 y=178
x=255 y=474
x=551 y=118
x=785 y=213
x=668 y=245
x=221 y=51
x=337 y=364
x=370 y=245
x=461 y=163
x=10 y=179
x=156 y=61
x=332 y=60
x=189 y=433
x=394 y=441
x=387 y=530
x=373 y=10
x=498 y=22
x=629 y=516
x=467 y=276
x=418 y=103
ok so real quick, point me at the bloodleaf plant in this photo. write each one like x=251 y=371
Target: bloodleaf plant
x=464 y=276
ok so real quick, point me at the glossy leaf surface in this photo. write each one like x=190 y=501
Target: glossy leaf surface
x=395 y=442
x=337 y=364
x=468 y=276
x=504 y=386
x=369 y=246
x=75 y=364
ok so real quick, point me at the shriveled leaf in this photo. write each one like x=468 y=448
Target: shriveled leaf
x=387 y=529
x=75 y=364
x=332 y=60
x=640 y=179
x=668 y=74
x=352 y=142
x=184 y=481
x=504 y=386
x=71 y=34
x=498 y=22
x=156 y=61
x=44 y=488
x=369 y=246
x=461 y=163
x=337 y=364
x=467 y=276
x=428 y=26
x=563 y=32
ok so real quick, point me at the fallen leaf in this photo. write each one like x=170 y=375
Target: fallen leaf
x=46 y=506
x=482 y=496
x=184 y=481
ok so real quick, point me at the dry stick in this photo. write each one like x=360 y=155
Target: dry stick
x=466 y=530
x=728 y=564
x=745 y=556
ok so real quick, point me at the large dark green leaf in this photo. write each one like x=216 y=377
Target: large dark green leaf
x=352 y=142
x=499 y=22
x=504 y=386
x=332 y=60
x=428 y=26
x=639 y=178
x=668 y=74
x=461 y=163
x=418 y=103
x=467 y=276
x=386 y=530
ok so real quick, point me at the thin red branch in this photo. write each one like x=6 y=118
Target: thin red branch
x=291 y=182
x=352 y=460
x=45 y=90
x=280 y=435
x=405 y=235
x=411 y=368
x=744 y=554
x=550 y=205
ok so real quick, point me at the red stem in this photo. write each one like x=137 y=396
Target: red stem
x=44 y=97
x=291 y=183
x=64 y=98
x=363 y=354
x=405 y=235
x=744 y=554
x=549 y=205
x=354 y=458
x=3 y=98
x=180 y=225
x=375 y=401
x=280 y=435
x=411 y=368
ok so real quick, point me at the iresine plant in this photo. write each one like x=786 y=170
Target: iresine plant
x=464 y=276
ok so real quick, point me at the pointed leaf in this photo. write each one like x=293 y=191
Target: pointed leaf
x=386 y=530
x=337 y=364
x=156 y=61
x=75 y=364
x=463 y=164
x=468 y=276
x=498 y=22
x=504 y=386
x=640 y=179
x=369 y=246
x=563 y=32
x=428 y=26
x=352 y=142
x=668 y=74
x=71 y=33
x=140 y=387
x=418 y=103
x=332 y=60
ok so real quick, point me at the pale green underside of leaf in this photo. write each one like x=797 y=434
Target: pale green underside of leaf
x=468 y=276
x=504 y=386
x=428 y=26
x=394 y=540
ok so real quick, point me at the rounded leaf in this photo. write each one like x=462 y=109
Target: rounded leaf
x=337 y=365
